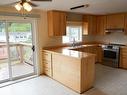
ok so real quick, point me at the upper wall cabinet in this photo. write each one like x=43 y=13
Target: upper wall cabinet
x=89 y=25
x=101 y=25
x=125 y=27
x=115 y=21
x=56 y=23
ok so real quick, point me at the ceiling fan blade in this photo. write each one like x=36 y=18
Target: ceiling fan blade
x=32 y=4
x=41 y=0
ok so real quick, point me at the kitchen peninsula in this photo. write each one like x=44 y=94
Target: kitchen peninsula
x=74 y=69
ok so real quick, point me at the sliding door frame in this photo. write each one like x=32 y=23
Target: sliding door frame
x=8 y=79
x=33 y=23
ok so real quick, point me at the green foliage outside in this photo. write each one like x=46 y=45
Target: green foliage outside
x=19 y=27
x=16 y=27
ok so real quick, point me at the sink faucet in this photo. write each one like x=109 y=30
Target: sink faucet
x=73 y=43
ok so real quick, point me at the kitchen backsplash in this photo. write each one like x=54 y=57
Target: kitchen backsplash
x=114 y=37
x=53 y=41
x=88 y=38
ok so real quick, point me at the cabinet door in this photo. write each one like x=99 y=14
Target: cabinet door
x=89 y=25
x=125 y=24
x=56 y=23
x=86 y=49
x=63 y=23
x=67 y=70
x=95 y=50
x=99 y=54
x=101 y=25
x=115 y=21
x=123 y=57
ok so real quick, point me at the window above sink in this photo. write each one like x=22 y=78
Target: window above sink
x=73 y=31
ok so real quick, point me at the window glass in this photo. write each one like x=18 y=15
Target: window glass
x=73 y=32
x=19 y=32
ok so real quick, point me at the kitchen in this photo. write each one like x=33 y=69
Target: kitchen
x=107 y=53
x=98 y=33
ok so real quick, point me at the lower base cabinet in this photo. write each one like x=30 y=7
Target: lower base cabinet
x=47 y=63
x=97 y=50
x=123 y=57
x=77 y=74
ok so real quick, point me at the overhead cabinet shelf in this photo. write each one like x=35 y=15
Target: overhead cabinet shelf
x=92 y=24
x=89 y=25
x=56 y=23
x=115 y=21
x=99 y=25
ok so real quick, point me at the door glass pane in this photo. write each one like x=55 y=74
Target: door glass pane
x=4 y=72
x=20 y=44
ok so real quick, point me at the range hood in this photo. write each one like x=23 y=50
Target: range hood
x=114 y=30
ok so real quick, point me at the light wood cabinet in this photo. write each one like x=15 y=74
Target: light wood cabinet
x=89 y=25
x=125 y=27
x=123 y=57
x=75 y=73
x=101 y=25
x=56 y=23
x=99 y=54
x=115 y=21
x=47 y=63
x=97 y=50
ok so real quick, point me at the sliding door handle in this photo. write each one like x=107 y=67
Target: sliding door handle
x=33 y=48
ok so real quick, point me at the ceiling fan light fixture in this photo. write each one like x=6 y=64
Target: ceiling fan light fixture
x=18 y=6
x=27 y=6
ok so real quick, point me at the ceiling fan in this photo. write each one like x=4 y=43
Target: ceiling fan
x=26 y=4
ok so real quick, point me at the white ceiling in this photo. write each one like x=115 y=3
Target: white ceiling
x=96 y=6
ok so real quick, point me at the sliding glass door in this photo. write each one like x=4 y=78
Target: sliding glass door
x=4 y=68
x=17 y=47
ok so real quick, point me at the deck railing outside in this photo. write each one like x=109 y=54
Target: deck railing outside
x=18 y=51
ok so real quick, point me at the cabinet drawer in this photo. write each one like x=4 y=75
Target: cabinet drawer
x=47 y=72
x=123 y=51
x=47 y=65
x=123 y=55
x=47 y=61
x=123 y=58
x=46 y=56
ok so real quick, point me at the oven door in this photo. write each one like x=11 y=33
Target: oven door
x=111 y=54
x=111 y=57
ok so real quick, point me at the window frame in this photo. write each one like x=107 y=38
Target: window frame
x=74 y=24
